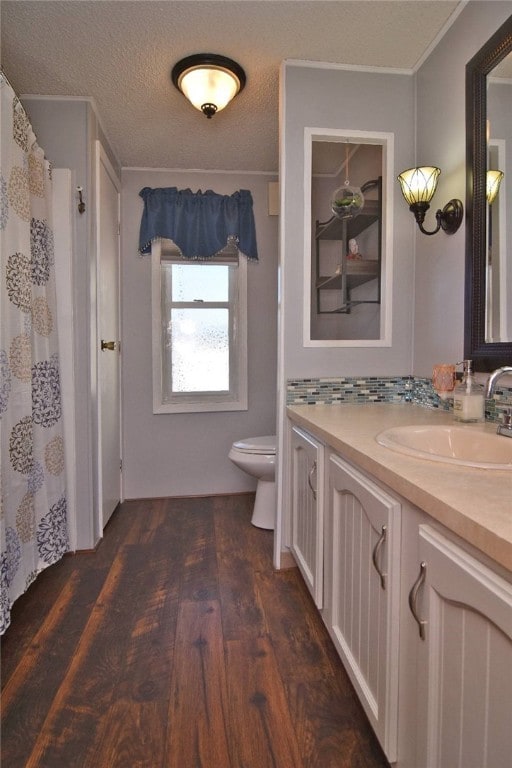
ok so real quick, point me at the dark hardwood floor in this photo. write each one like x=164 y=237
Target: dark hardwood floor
x=175 y=644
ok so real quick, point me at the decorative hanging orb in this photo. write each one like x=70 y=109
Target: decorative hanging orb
x=347 y=202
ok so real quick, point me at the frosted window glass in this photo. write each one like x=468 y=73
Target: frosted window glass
x=199 y=335
x=200 y=349
x=204 y=282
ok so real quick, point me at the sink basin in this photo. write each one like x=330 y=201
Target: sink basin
x=471 y=446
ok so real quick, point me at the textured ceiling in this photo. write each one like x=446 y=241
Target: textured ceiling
x=121 y=53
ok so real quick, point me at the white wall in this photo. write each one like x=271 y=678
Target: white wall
x=187 y=454
x=441 y=141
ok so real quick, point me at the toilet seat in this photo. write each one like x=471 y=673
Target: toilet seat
x=257 y=445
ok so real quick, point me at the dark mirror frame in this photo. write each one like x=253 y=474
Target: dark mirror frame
x=486 y=356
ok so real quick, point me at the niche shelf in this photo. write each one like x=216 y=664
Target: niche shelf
x=350 y=273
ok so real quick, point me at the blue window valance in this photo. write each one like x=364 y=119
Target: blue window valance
x=199 y=223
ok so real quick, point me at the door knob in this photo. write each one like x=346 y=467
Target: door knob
x=111 y=345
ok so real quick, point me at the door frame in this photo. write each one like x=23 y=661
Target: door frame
x=101 y=158
x=64 y=255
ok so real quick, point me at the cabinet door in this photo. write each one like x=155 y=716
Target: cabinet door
x=363 y=604
x=465 y=659
x=307 y=510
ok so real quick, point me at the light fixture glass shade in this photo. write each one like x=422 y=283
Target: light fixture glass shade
x=493 y=185
x=419 y=184
x=203 y=85
x=208 y=81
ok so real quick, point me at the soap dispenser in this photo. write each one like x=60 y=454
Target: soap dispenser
x=468 y=397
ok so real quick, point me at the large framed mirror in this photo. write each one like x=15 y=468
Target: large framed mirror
x=488 y=284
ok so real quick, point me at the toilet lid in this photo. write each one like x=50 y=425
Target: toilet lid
x=266 y=444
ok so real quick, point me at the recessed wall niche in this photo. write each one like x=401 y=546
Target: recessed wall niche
x=346 y=255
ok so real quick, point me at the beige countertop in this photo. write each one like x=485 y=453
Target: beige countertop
x=474 y=503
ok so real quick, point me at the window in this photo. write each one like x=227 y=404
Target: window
x=199 y=331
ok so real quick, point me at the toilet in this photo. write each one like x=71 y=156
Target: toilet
x=257 y=457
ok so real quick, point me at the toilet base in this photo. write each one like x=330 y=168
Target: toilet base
x=264 y=512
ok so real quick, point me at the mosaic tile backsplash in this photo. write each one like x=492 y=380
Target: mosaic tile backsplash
x=383 y=389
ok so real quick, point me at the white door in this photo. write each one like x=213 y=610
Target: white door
x=108 y=338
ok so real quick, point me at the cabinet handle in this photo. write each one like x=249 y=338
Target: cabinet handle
x=413 y=595
x=310 y=475
x=375 y=555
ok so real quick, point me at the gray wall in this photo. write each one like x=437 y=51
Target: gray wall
x=66 y=129
x=187 y=454
x=161 y=453
x=426 y=112
x=327 y=98
x=441 y=141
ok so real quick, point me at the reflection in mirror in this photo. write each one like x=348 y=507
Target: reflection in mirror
x=498 y=301
x=488 y=288
x=347 y=257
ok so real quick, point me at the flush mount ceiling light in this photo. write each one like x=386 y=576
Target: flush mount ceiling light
x=493 y=185
x=208 y=81
x=418 y=188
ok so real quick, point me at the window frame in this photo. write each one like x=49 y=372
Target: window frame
x=198 y=402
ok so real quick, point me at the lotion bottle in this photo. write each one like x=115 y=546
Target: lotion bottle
x=468 y=397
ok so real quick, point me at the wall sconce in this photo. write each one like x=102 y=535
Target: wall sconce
x=493 y=185
x=208 y=81
x=418 y=188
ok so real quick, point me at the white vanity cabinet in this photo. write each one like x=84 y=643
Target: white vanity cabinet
x=417 y=589
x=362 y=592
x=456 y=656
x=308 y=510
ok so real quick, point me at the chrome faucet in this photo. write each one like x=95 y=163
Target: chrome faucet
x=505 y=428
x=493 y=378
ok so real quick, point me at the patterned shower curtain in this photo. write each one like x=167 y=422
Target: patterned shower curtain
x=33 y=515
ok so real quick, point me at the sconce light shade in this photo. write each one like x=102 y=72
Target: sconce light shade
x=419 y=184
x=493 y=185
x=418 y=188
x=208 y=81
